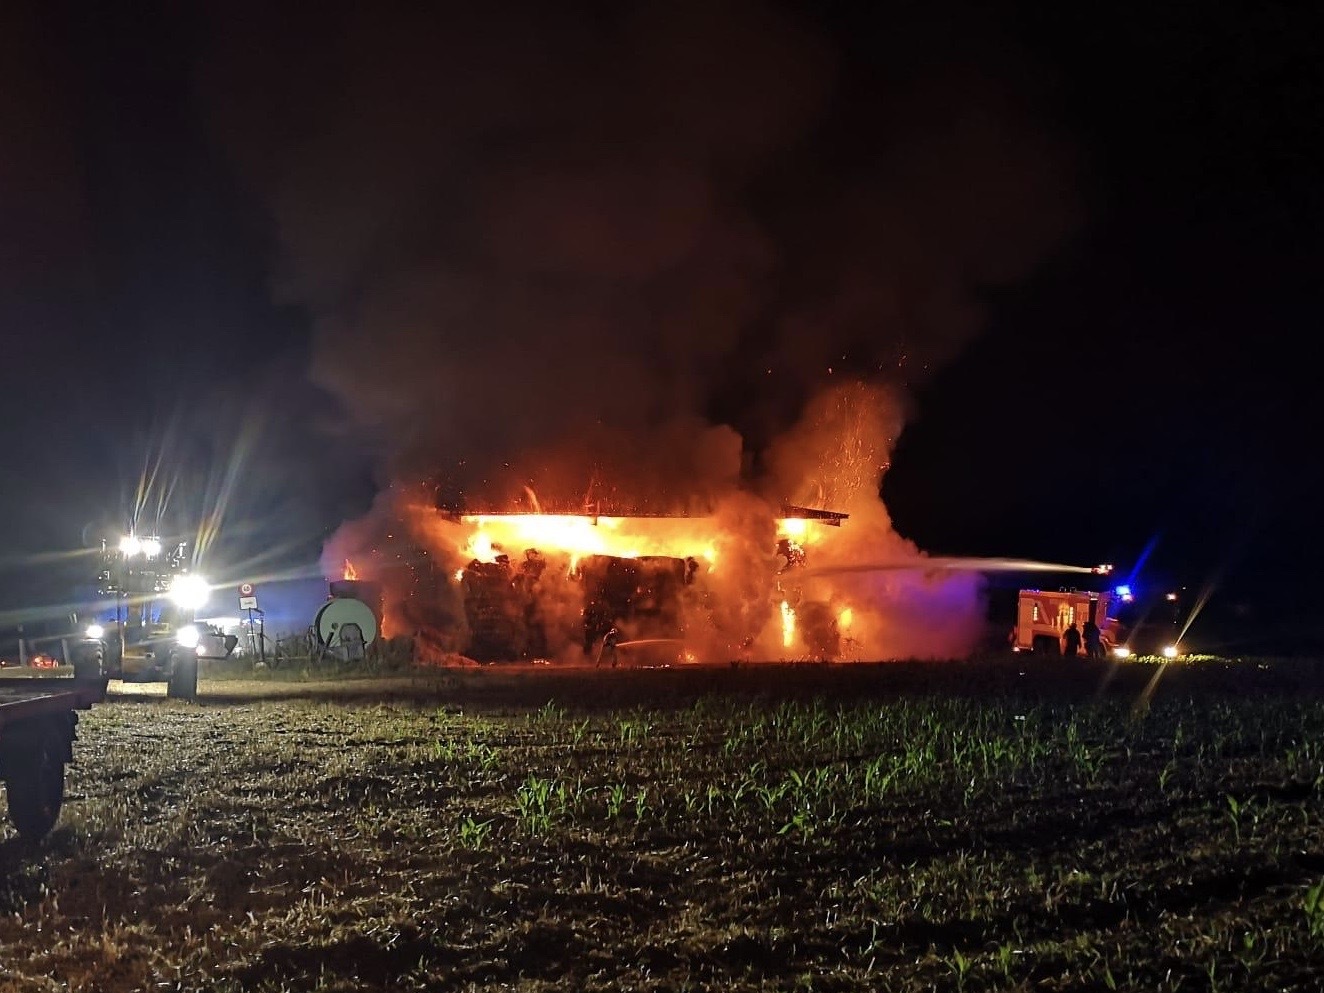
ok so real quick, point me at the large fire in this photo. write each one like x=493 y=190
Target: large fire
x=575 y=536
x=751 y=580
x=654 y=577
x=349 y=572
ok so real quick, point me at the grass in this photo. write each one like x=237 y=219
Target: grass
x=804 y=828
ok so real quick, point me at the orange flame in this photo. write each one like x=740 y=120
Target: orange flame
x=578 y=535
x=567 y=542
x=788 y=624
x=350 y=572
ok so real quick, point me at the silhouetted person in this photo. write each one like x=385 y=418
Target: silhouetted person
x=1093 y=640
x=1072 y=636
x=609 y=641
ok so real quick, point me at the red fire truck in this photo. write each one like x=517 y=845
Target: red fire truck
x=1129 y=625
x=1042 y=617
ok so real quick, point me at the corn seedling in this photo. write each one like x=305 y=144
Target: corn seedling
x=473 y=834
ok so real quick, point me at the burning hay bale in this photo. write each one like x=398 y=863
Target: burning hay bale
x=737 y=576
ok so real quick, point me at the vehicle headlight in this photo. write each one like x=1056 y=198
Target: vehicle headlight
x=189 y=591
x=1171 y=652
x=1121 y=652
x=187 y=636
x=96 y=632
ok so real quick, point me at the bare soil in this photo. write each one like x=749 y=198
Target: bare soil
x=999 y=824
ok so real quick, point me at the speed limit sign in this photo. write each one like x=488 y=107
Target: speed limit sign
x=246 y=589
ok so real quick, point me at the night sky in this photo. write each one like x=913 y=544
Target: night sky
x=292 y=254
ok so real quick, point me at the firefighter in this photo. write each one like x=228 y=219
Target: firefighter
x=1093 y=640
x=608 y=651
x=1072 y=636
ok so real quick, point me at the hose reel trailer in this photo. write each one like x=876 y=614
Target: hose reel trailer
x=345 y=627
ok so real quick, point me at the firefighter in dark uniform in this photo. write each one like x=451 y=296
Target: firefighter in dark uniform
x=1093 y=640
x=609 y=642
x=1071 y=639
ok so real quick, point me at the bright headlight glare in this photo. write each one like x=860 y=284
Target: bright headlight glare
x=187 y=636
x=130 y=545
x=95 y=631
x=1170 y=652
x=189 y=592
x=151 y=547
x=1121 y=652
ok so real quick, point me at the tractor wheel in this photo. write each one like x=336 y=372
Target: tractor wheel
x=89 y=664
x=90 y=671
x=183 y=683
x=35 y=785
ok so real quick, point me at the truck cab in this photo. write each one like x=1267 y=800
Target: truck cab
x=1152 y=626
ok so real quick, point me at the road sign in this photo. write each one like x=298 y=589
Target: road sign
x=248 y=603
x=246 y=589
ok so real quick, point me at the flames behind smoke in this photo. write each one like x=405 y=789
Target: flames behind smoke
x=754 y=606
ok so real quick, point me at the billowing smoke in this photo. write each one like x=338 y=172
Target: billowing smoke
x=610 y=256
x=835 y=457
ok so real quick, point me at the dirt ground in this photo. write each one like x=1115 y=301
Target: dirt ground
x=518 y=686
x=998 y=824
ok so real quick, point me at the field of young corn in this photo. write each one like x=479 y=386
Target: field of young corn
x=991 y=827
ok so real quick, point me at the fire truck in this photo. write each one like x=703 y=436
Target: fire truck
x=1043 y=616
x=1128 y=625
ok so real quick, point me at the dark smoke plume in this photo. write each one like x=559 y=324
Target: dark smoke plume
x=641 y=258
x=611 y=252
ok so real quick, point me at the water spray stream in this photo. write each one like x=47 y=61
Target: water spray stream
x=950 y=564
x=682 y=655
